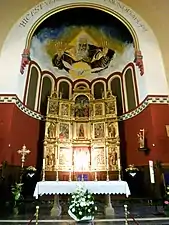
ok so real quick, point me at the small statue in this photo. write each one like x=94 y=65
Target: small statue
x=51 y=130
x=141 y=138
x=81 y=131
x=112 y=130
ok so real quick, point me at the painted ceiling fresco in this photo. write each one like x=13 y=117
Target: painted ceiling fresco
x=77 y=45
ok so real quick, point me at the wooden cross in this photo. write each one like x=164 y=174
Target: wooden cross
x=23 y=152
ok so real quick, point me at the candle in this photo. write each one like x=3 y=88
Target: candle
x=118 y=163
x=44 y=164
x=107 y=158
x=151 y=168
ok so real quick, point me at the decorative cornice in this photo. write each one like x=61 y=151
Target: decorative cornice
x=15 y=100
x=148 y=100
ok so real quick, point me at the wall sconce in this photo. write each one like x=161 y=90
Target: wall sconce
x=132 y=170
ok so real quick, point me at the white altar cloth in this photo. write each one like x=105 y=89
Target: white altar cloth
x=68 y=187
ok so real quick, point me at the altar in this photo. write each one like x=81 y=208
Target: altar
x=57 y=188
x=95 y=187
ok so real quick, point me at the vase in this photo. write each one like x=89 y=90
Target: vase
x=86 y=220
x=15 y=211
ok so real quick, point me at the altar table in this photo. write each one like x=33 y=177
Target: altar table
x=68 y=187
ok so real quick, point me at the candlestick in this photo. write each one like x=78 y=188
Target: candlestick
x=118 y=163
x=43 y=164
x=57 y=175
x=119 y=174
x=107 y=179
x=43 y=175
x=70 y=175
x=107 y=159
x=95 y=175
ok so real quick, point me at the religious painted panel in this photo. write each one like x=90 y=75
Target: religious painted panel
x=50 y=158
x=99 y=130
x=81 y=108
x=65 y=158
x=51 y=130
x=110 y=107
x=53 y=107
x=64 y=130
x=82 y=159
x=98 y=109
x=98 y=159
x=81 y=132
x=113 y=153
x=64 y=109
x=112 y=132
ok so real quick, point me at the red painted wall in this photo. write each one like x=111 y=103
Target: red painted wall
x=21 y=129
x=16 y=129
x=6 y=115
x=153 y=119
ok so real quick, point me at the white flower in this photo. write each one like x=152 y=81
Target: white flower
x=89 y=210
x=80 y=213
x=73 y=196
x=95 y=207
x=73 y=210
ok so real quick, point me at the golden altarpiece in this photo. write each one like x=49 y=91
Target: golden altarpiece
x=81 y=136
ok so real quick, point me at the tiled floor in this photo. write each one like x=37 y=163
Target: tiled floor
x=143 y=214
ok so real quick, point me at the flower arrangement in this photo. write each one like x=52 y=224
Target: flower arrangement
x=31 y=168
x=82 y=205
x=131 y=168
x=166 y=202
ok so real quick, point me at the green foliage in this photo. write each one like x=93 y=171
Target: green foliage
x=16 y=192
x=166 y=202
x=82 y=203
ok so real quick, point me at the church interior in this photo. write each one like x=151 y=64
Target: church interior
x=84 y=99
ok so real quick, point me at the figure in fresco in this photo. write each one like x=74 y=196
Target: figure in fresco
x=81 y=131
x=94 y=58
x=111 y=130
x=52 y=130
x=81 y=106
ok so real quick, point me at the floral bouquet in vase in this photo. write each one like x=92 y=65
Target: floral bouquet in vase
x=166 y=202
x=82 y=206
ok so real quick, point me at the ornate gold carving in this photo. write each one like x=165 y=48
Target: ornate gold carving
x=113 y=154
x=81 y=124
x=50 y=159
x=98 y=109
x=52 y=130
x=53 y=107
x=111 y=130
x=98 y=130
x=64 y=130
x=64 y=109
